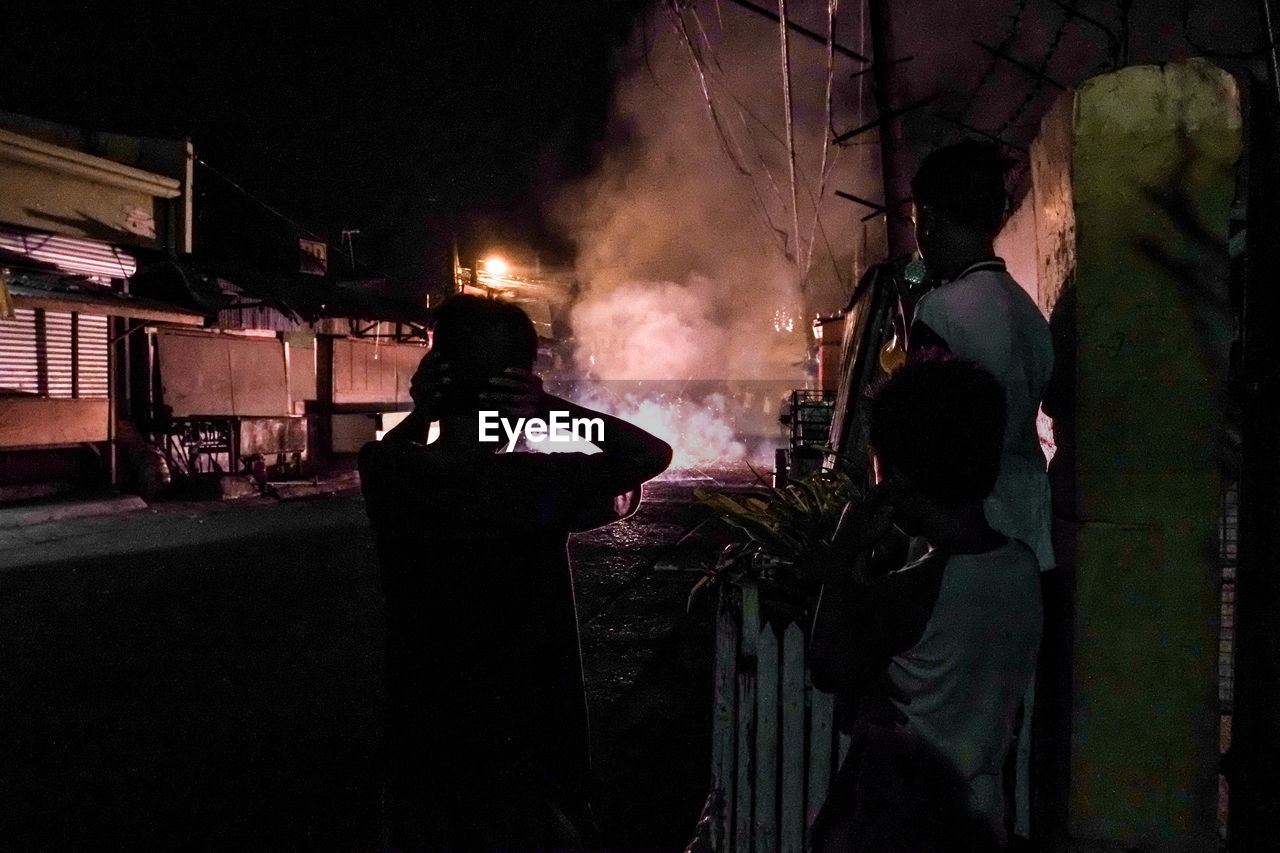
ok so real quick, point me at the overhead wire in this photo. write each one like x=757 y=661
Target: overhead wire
x=832 y=9
x=728 y=141
x=697 y=62
x=745 y=111
x=300 y=229
x=700 y=51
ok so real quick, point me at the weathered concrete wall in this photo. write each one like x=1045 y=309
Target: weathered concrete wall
x=1111 y=161
x=1016 y=243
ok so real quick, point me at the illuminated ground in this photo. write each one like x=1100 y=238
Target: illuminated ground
x=208 y=677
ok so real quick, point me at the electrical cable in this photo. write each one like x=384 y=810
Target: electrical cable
x=305 y=232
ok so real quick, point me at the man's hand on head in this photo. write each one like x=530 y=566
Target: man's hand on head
x=428 y=387
x=516 y=393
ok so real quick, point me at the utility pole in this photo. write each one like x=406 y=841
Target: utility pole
x=347 y=237
x=894 y=168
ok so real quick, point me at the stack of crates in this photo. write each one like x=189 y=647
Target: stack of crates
x=810 y=425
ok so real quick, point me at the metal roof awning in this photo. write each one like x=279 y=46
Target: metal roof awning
x=108 y=303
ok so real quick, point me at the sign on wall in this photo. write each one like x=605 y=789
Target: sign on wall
x=314 y=255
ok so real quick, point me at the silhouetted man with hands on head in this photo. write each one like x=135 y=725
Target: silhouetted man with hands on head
x=487 y=742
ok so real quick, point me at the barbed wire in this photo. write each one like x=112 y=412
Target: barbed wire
x=1014 y=25
x=1042 y=70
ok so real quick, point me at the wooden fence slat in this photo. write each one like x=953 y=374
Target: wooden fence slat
x=821 y=706
x=791 y=823
x=765 y=825
x=722 y=745
x=750 y=620
x=749 y=636
x=742 y=798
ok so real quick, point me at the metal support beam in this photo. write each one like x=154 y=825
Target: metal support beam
x=1113 y=42
x=871 y=69
x=985 y=133
x=896 y=170
x=1019 y=64
x=884 y=117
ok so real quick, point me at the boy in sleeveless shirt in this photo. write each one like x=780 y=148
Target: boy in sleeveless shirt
x=936 y=655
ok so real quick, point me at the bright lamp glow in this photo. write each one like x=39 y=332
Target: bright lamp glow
x=495 y=266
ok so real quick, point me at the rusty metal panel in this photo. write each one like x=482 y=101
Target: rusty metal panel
x=302 y=367
x=373 y=372
x=265 y=436
x=258 y=380
x=210 y=374
x=29 y=421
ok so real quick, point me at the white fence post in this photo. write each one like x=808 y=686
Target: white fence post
x=774 y=741
x=765 y=837
x=821 y=712
x=792 y=823
x=750 y=629
x=722 y=745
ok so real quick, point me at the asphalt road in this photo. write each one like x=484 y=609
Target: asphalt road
x=209 y=677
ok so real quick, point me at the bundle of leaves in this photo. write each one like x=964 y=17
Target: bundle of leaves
x=792 y=523
x=784 y=528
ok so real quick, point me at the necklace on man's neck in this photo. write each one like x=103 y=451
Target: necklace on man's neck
x=988 y=264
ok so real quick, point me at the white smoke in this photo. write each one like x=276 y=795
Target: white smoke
x=688 y=259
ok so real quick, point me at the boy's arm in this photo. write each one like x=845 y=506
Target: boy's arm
x=860 y=625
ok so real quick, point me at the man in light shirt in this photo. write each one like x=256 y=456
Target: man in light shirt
x=933 y=659
x=980 y=314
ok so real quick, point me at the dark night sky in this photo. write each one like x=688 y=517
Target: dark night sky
x=416 y=122
x=409 y=121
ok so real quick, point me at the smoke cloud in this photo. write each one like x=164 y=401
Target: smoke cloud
x=687 y=253
x=697 y=274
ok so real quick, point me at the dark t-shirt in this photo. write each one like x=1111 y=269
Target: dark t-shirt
x=483 y=664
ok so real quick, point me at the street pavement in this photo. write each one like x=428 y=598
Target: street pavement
x=207 y=676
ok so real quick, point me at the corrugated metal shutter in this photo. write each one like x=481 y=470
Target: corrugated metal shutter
x=19 y=367
x=59 y=364
x=71 y=371
x=71 y=254
x=93 y=383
